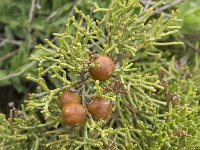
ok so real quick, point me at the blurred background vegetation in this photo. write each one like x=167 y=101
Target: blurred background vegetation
x=25 y=24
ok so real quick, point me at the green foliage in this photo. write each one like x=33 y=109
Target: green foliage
x=25 y=24
x=146 y=115
x=191 y=14
x=179 y=127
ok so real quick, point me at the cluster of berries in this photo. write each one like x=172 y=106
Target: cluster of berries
x=73 y=113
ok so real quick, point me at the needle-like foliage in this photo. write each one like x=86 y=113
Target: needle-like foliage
x=147 y=114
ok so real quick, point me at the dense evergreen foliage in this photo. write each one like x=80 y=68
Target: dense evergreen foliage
x=154 y=89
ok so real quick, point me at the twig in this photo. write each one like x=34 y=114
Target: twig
x=18 y=43
x=147 y=4
x=167 y=6
x=15 y=74
x=31 y=14
x=8 y=55
x=144 y=2
x=190 y=45
x=52 y=15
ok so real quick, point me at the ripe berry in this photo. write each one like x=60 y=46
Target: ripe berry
x=69 y=97
x=73 y=114
x=104 y=70
x=100 y=109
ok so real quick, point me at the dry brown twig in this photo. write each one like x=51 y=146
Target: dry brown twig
x=190 y=45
